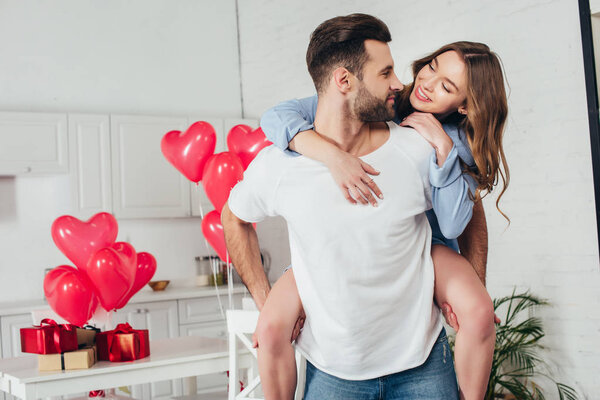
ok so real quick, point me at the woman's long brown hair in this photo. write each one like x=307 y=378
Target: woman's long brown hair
x=487 y=109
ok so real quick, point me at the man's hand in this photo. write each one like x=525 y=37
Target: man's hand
x=298 y=327
x=451 y=319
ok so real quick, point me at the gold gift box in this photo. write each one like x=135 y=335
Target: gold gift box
x=86 y=337
x=78 y=359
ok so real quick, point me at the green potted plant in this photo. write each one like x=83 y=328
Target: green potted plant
x=516 y=360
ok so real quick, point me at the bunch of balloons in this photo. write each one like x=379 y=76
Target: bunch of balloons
x=192 y=153
x=108 y=272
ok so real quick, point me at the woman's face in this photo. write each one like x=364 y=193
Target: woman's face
x=441 y=86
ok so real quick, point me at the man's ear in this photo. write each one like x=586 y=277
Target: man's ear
x=341 y=78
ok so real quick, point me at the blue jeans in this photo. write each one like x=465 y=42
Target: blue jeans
x=434 y=379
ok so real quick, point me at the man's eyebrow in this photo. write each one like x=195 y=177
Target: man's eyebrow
x=448 y=79
x=387 y=68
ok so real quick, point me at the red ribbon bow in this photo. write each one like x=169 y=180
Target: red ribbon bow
x=97 y=393
x=56 y=328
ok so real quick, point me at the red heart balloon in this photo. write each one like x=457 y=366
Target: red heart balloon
x=112 y=271
x=246 y=143
x=212 y=229
x=146 y=267
x=70 y=294
x=188 y=151
x=80 y=240
x=221 y=173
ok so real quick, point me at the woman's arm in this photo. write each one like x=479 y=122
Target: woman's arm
x=452 y=204
x=289 y=126
x=451 y=198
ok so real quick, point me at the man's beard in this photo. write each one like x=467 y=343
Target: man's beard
x=369 y=108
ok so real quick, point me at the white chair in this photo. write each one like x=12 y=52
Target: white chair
x=241 y=325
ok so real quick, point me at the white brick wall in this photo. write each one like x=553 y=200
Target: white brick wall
x=551 y=244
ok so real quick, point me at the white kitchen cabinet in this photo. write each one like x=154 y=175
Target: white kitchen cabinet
x=213 y=382
x=10 y=326
x=144 y=184
x=33 y=143
x=206 y=309
x=160 y=318
x=89 y=155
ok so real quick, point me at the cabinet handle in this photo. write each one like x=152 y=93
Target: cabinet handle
x=142 y=311
x=27 y=170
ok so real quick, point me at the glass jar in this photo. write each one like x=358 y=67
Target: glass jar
x=204 y=271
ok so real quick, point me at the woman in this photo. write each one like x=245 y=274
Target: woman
x=461 y=85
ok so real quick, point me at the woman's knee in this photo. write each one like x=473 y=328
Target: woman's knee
x=479 y=316
x=271 y=334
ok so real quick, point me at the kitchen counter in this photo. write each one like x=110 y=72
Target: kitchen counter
x=173 y=292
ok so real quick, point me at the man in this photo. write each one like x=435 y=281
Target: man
x=364 y=275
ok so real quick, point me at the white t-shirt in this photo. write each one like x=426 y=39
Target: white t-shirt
x=364 y=274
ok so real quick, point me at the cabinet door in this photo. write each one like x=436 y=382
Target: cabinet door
x=160 y=318
x=33 y=143
x=211 y=383
x=89 y=154
x=198 y=196
x=207 y=309
x=11 y=336
x=144 y=184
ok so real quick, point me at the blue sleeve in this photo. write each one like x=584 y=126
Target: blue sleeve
x=282 y=122
x=452 y=204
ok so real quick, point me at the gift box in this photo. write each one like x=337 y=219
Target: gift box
x=123 y=344
x=86 y=336
x=49 y=338
x=78 y=359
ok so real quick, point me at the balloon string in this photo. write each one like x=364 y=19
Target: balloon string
x=213 y=262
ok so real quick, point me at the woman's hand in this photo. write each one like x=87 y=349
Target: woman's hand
x=352 y=176
x=431 y=129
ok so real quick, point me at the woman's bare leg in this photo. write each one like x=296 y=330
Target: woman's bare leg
x=457 y=284
x=276 y=357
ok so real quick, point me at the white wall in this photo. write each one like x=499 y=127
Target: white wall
x=551 y=245
x=128 y=57
x=135 y=56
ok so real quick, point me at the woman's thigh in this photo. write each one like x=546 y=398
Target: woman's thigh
x=283 y=306
x=456 y=282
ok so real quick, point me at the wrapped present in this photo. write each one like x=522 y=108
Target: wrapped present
x=86 y=336
x=78 y=359
x=49 y=338
x=123 y=344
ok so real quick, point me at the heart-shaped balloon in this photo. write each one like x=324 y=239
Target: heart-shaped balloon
x=188 y=151
x=70 y=294
x=246 y=143
x=80 y=240
x=112 y=272
x=221 y=173
x=146 y=267
x=212 y=229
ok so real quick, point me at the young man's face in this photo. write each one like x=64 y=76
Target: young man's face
x=377 y=90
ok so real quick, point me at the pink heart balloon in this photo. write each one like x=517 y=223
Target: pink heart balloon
x=221 y=173
x=246 y=143
x=70 y=294
x=188 y=151
x=212 y=229
x=112 y=272
x=80 y=240
x=146 y=267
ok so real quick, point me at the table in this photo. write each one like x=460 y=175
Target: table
x=185 y=357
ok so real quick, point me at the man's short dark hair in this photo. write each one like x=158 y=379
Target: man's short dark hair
x=340 y=42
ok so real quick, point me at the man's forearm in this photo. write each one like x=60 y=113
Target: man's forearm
x=473 y=242
x=242 y=245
